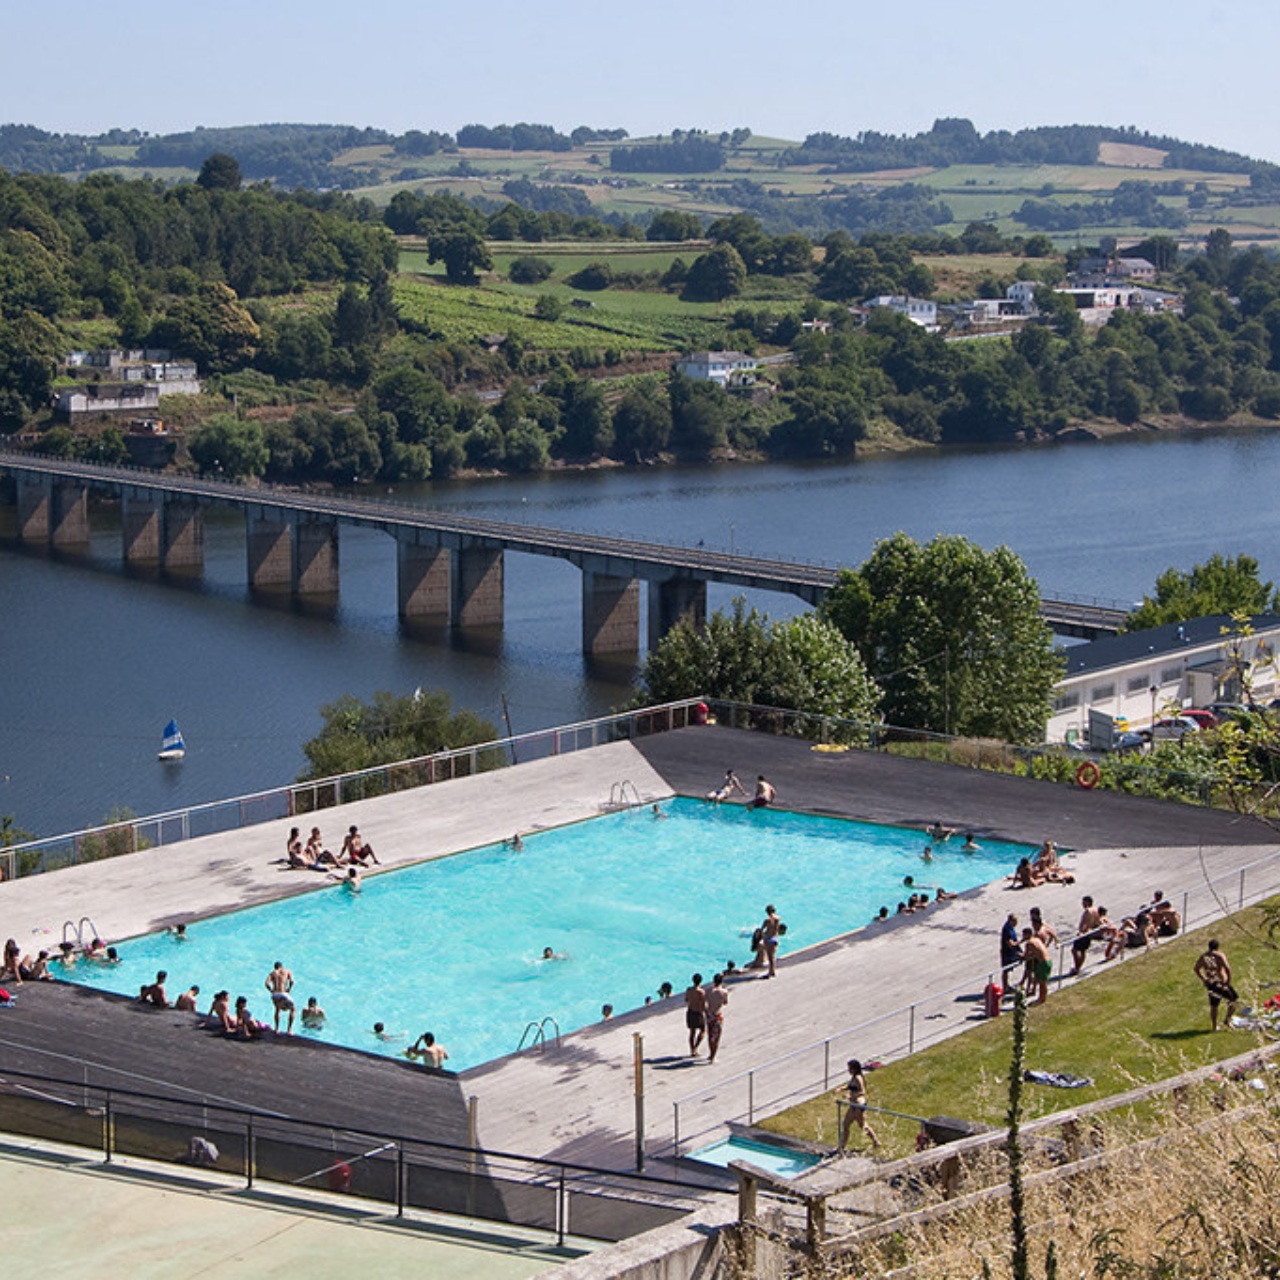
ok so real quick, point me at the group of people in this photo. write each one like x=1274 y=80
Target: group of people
x=1031 y=947
x=19 y=968
x=313 y=856
x=765 y=793
x=1043 y=869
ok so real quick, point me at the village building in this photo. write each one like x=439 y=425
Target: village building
x=721 y=367
x=1143 y=676
x=921 y=311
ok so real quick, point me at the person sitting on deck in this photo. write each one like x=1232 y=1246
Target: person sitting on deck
x=1047 y=866
x=317 y=856
x=730 y=784
x=246 y=1026
x=1025 y=876
x=219 y=1016
x=355 y=850
x=186 y=1002
x=1166 y=920
x=293 y=850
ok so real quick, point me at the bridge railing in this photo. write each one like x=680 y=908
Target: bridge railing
x=132 y=834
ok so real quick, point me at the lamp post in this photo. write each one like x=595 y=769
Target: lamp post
x=1153 y=691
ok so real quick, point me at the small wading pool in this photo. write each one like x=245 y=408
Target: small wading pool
x=453 y=946
x=782 y=1161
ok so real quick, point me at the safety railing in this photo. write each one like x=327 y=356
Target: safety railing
x=817 y=1067
x=390 y=1169
x=71 y=849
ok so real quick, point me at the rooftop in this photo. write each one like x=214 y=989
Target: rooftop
x=1172 y=638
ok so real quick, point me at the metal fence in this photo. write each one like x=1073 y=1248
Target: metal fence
x=817 y=1067
x=387 y=1169
x=54 y=852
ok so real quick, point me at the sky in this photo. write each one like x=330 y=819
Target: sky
x=1197 y=69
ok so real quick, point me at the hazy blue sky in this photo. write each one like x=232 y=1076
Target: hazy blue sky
x=1206 y=71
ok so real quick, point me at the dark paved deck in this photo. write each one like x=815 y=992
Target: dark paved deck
x=877 y=787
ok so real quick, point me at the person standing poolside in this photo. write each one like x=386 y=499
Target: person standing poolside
x=1086 y=931
x=770 y=930
x=717 y=998
x=280 y=982
x=695 y=1013
x=765 y=793
x=856 y=1111
x=1214 y=971
x=1039 y=966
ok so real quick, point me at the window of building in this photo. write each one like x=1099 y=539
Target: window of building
x=1066 y=701
x=1137 y=684
x=1170 y=675
x=1102 y=692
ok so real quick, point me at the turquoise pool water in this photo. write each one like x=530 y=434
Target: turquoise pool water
x=453 y=946
x=782 y=1161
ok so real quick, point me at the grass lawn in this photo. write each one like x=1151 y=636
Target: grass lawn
x=1140 y=1019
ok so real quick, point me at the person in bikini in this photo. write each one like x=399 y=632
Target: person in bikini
x=856 y=1112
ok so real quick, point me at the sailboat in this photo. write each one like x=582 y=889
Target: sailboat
x=172 y=747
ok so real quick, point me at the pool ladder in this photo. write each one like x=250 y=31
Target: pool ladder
x=78 y=931
x=623 y=795
x=535 y=1034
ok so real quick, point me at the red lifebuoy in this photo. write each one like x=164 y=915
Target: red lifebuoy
x=1087 y=775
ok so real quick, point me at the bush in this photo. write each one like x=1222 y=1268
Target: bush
x=594 y=276
x=529 y=271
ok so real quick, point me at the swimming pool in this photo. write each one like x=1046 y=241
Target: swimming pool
x=452 y=946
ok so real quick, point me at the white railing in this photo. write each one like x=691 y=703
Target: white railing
x=815 y=1068
x=92 y=844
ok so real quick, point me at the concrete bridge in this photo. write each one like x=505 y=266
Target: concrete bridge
x=449 y=567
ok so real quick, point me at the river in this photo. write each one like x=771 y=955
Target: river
x=94 y=660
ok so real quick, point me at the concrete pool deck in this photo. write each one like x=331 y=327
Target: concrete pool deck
x=129 y=1222
x=576 y=1103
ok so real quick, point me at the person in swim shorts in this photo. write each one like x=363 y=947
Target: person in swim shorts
x=1214 y=971
x=1039 y=966
x=717 y=998
x=695 y=1013
x=279 y=983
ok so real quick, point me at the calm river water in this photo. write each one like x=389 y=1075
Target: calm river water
x=94 y=661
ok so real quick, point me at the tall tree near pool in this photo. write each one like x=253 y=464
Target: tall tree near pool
x=952 y=633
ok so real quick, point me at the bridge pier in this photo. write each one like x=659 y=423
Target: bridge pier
x=34 y=503
x=477 y=580
x=610 y=613
x=675 y=600
x=69 y=516
x=182 y=537
x=423 y=578
x=268 y=542
x=141 y=518
x=315 y=558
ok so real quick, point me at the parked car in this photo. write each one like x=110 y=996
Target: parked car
x=1129 y=740
x=1205 y=719
x=1228 y=710
x=1174 y=728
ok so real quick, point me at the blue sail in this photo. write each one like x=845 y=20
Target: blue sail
x=173 y=738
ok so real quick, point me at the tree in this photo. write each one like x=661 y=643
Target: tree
x=674 y=224
x=953 y=635
x=212 y=326
x=529 y=270
x=1220 y=585
x=548 y=307
x=229 y=447
x=220 y=172
x=716 y=275
x=642 y=421
x=463 y=252
x=359 y=735
x=803 y=664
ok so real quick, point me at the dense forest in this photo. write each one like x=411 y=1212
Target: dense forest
x=954 y=140
x=287 y=301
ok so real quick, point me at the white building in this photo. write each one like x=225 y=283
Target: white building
x=921 y=311
x=1023 y=294
x=717 y=366
x=1146 y=675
